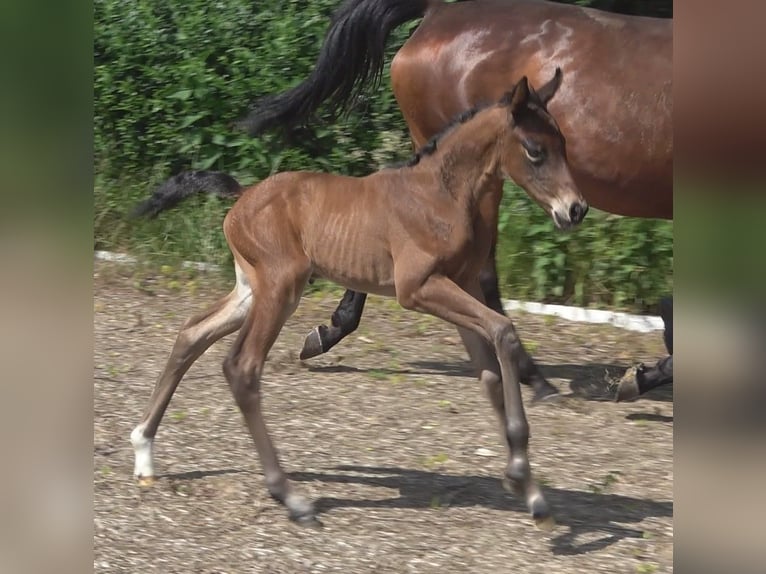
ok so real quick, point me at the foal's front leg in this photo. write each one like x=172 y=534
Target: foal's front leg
x=441 y=297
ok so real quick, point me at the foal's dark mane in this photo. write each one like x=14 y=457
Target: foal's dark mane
x=429 y=148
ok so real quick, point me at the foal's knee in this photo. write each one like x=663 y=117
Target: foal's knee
x=504 y=336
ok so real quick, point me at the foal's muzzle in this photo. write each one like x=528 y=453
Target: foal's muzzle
x=576 y=213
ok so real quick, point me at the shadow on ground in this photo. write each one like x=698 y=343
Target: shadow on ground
x=583 y=513
x=592 y=381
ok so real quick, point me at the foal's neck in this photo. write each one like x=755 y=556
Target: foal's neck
x=466 y=161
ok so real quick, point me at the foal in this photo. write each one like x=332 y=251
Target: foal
x=420 y=233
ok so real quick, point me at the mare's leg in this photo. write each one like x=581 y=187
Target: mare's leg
x=274 y=300
x=528 y=370
x=645 y=379
x=194 y=338
x=442 y=298
x=344 y=321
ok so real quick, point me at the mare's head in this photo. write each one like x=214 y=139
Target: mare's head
x=533 y=153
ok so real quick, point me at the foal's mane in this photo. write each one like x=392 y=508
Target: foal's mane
x=534 y=103
x=429 y=148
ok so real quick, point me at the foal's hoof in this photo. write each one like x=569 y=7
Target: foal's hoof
x=312 y=346
x=546 y=523
x=146 y=481
x=627 y=389
x=305 y=517
x=541 y=514
x=512 y=486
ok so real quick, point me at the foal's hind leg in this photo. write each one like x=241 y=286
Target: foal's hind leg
x=195 y=337
x=275 y=299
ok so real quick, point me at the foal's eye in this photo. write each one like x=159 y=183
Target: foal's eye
x=534 y=154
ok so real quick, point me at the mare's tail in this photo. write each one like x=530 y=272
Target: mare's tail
x=350 y=61
x=185 y=184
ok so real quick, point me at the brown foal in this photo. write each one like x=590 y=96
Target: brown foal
x=420 y=233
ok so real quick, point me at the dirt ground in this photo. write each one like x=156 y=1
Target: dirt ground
x=391 y=436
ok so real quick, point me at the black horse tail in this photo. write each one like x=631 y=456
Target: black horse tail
x=350 y=61
x=186 y=184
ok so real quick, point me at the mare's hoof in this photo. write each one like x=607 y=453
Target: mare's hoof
x=146 y=481
x=312 y=346
x=627 y=389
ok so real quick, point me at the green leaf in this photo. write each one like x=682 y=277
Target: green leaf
x=182 y=95
x=189 y=120
x=208 y=163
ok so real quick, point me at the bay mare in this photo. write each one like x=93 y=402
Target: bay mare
x=614 y=107
x=419 y=233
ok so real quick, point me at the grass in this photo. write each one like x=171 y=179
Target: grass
x=531 y=346
x=435 y=460
x=179 y=416
x=379 y=374
x=609 y=480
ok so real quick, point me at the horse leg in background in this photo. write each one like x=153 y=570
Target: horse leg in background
x=344 y=321
x=640 y=380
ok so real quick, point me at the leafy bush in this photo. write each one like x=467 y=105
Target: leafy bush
x=608 y=261
x=171 y=78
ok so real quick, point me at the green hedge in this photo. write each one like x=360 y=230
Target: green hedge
x=171 y=77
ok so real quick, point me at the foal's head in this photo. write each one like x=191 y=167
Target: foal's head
x=533 y=153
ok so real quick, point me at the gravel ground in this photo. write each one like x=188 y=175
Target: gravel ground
x=391 y=436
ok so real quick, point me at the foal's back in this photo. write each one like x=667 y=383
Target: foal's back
x=340 y=226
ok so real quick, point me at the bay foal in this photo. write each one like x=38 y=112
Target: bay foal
x=420 y=233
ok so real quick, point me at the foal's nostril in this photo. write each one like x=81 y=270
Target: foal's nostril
x=574 y=212
x=577 y=212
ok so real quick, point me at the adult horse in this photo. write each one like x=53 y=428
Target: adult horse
x=614 y=105
x=420 y=246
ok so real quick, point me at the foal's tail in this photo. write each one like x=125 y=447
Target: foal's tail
x=185 y=184
x=351 y=57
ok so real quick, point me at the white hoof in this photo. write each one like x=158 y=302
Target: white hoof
x=142 y=447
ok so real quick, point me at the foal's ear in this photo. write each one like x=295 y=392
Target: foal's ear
x=517 y=98
x=547 y=91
